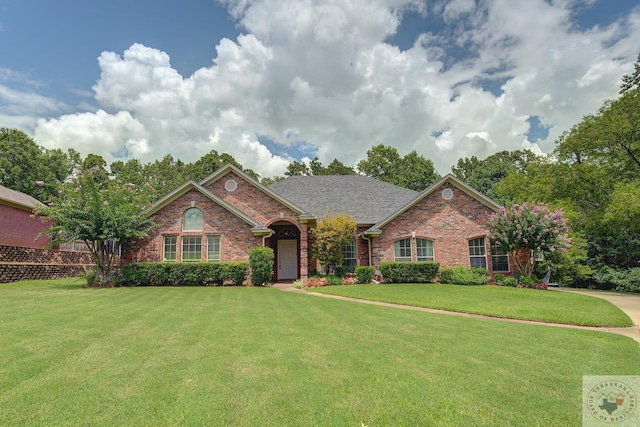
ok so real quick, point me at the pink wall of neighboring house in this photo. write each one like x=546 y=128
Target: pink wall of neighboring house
x=18 y=227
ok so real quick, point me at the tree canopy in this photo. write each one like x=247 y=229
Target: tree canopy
x=106 y=215
x=29 y=168
x=526 y=229
x=413 y=171
x=332 y=233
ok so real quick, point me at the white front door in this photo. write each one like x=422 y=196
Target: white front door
x=287 y=259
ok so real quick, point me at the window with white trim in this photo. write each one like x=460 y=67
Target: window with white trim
x=402 y=250
x=350 y=255
x=477 y=253
x=424 y=250
x=191 y=248
x=170 y=248
x=192 y=220
x=213 y=248
x=499 y=258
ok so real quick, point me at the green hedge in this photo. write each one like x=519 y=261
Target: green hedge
x=364 y=274
x=461 y=275
x=184 y=274
x=261 y=262
x=409 y=272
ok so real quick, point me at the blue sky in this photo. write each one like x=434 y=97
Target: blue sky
x=269 y=81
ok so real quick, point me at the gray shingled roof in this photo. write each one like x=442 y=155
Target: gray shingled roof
x=366 y=199
x=17 y=198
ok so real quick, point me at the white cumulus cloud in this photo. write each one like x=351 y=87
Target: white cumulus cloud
x=322 y=74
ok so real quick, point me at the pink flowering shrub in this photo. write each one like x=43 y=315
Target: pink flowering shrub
x=529 y=228
x=350 y=279
x=314 y=282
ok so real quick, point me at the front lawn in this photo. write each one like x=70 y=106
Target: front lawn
x=240 y=356
x=497 y=301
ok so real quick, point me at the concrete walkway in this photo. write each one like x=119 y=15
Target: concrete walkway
x=628 y=303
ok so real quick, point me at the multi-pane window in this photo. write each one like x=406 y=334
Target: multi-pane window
x=499 y=258
x=424 y=249
x=192 y=248
x=213 y=248
x=477 y=253
x=402 y=250
x=350 y=256
x=170 y=248
x=192 y=220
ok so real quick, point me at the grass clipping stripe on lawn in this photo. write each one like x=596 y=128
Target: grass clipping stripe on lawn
x=151 y=356
x=495 y=301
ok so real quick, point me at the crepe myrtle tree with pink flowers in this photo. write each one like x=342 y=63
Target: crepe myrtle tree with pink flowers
x=526 y=230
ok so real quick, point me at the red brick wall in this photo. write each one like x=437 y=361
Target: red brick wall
x=263 y=208
x=449 y=223
x=253 y=202
x=235 y=235
x=18 y=228
x=362 y=247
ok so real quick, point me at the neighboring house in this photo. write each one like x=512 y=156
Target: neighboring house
x=221 y=217
x=18 y=225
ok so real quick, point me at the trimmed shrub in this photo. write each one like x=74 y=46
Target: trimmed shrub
x=261 y=264
x=409 y=272
x=527 y=281
x=341 y=271
x=333 y=280
x=461 y=275
x=184 y=274
x=92 y=278
x=364 y=274
x=509 y=281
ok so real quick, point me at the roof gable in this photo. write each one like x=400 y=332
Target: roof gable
x=367 y=199
x=17 y=199
x=449 y=178
x=192 y=185
x=221 y=172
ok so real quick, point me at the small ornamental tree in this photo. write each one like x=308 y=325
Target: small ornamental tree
x=331 y=234
x=105 y=215
x=526 y=230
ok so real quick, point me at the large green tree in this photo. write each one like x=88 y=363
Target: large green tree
x=413 y=171
x=106 y=215
x=316 y=168
x=29 y=168
x=485 y=175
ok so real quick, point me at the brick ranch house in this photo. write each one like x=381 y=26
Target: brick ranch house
x=221 y=217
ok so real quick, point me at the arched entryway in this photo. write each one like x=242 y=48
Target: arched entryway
x=285 y=243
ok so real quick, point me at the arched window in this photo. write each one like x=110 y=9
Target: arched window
x=192 y=220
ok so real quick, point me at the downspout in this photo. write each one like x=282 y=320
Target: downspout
x=368 y=239
x=265 y=237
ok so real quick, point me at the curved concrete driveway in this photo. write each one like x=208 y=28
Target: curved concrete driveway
x=628 y=303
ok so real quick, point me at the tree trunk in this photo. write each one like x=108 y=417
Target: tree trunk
x=522 y=260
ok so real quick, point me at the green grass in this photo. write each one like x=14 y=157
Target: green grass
x=496 y=301
x=259 y=356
